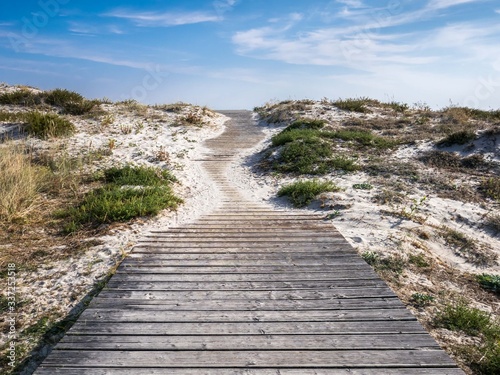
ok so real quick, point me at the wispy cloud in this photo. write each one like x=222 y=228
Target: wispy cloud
x=368 y=44
x=328 y=47
x=352 y=3
x=442 y=4
x=93 y=29
x=164 y=19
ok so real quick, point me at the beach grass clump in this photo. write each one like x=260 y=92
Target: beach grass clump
x=309 y=156
x=71 y=102
x=288 y=136
x=362 y=137
x=310 y=124
x=398 y=107
x=128 y=192
x=489 y=282
x=453 y=162
x=137 y=176
x=394 y=264
x=492 y=222
x=354 y=105
x=461 y=137
x=490 y=188
x=283 y=111
x=20 y=183
x=24 y=97
x=484 y=355
x=47 y=125
x=301 y=193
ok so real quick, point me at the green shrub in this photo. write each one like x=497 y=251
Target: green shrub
x=370 y=257
x=294 y=134
x=137 y=176
x=489 y=282
x=343 y=163
x=116 y=204
x=458 y=138
x=71 y=102
x=312 y=124
x=419 y=259
x=305 y=157
x=460 y=317
x=354 y=105
x=46 y=125
x=363 y=186
x=20 y=97
x=491 y=188
x=129 y=192
x=363 y=137
x=398 y=107
x=301 y=193
x=421 y=299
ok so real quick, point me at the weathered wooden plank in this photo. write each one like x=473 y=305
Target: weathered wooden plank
x=191 y=229
x=240 y=371
x=213 y=228
x=250 y=295
x=355 y=269
x=276 y=255
x=242 y=285
x=247 y=240
x=245 y=359
x=162 y=249
x=382 y=319
x=309 y=261
x=247 y=342
x=332 y=276
x=295 y=235
x=92 y=328
x=231 y=305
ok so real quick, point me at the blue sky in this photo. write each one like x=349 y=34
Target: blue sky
x=241 y=53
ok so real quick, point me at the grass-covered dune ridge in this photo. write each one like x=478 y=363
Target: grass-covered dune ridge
x=416 y=191
x=81 y=180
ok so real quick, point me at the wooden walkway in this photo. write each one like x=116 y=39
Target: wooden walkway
x=246 y=290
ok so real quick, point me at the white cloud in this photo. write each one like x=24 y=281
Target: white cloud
x=352 y=3
x=442 y=4
x=156 y=19
x=93 y=30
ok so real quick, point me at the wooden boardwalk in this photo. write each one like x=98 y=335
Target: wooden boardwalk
x=246 y=290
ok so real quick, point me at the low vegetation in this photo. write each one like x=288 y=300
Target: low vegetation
x=420 y=203
x=301 y=193
x=47 y=125
x=354 y=105
x=485 y=357
x=490 y=188
x=68 y=102
x=128 y=192
x=61 y=193
x=489 y=282
x=20 y=183
x=458 y=138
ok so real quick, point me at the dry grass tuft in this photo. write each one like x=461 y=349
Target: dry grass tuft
x=20 y=184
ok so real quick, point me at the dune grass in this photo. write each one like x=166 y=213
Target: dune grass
x=128 y=192
x=484 y=357
x=47 y=125
x=20 y=183
x=301 y=193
